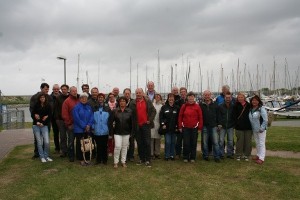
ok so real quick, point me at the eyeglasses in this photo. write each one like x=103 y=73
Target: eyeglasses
x=85 y=88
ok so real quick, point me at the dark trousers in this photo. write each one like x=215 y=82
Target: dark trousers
x=178 y=145
x=71 y=139
x=79 y=154
x=130 y=152
x=190 y=136
x=101 y=147
x=143 y=138
x=55 y=134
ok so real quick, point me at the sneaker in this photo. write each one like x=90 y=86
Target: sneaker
x=49 y=159
x=238 y=158
x=124 y=165
x=166 y=159
x=217 y=160
x=192 y=161
x=148 y=164
x=230 y=157
x=140 y=162
x=206 y=158
x=259 y=161
x=115 y=166
x=172 y=158
x=246 y=158
x=110 y=154
x=185 y=161
x=43 y=160
x=255 y=158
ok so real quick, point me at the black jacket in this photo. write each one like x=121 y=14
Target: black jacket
x=209 y=113
x=225 y=116
x=169 y=116
x=242 y=122
x=123 y=121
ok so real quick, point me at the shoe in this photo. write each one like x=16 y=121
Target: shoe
x=177 y=157
x=206 y=158
x=130 y=159
x=172 y=158
x=185 y=161
x=56 y=151
x=217 y=160
x=140 y=162
x=71 y=159
x=82 y=163
x=35 y=156
x=222 y=157
x=192 y=161
x=43 y=160
x=49 y=159
x=148 y=164
x=255 y=158
x=259 y=161
x=246 y=158
x=124 y=165
x=166 y=159
x=230 y=157
x=63 y=155
x=115 y=166
x=238 y=158
x=110 y=154
x=157 y=156
x=105 y=162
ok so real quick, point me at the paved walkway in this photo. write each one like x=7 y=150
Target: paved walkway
x=12 y=138
x=9 y=139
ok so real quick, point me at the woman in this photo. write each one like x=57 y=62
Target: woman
x=168 y=118
x=259 y=119
x=155 y=137
x=41 y=118
x=102 y=127
x=190 y=123
x=243 y=128
x=113 y=104
x=122 y=131
x=83 y=121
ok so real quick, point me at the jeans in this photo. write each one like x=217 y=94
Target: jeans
x=210 y=133
x=243 y=142
x=178 y=146
x=42 y=138
x=63 y=136
x=260 y=140
x=190 y=136
x=143 y=138
x=229 y=146
x=121 y=145
x=170 y=144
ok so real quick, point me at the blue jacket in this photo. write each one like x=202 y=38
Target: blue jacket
x=258 y=119
x=102 y=121
x=82 y=116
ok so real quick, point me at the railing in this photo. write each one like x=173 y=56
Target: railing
x=12 y=119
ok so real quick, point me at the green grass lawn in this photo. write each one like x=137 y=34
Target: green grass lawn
x=24 y=178
x=283 y=139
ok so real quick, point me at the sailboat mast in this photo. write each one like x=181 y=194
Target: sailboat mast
x=158 y=71
x=77 y=79
x=130 y=72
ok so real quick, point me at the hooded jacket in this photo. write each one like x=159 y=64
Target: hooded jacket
x=190 y=116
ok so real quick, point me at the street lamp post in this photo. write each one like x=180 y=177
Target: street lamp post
x=65 y=73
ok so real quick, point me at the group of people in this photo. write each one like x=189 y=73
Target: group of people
x=115 y=122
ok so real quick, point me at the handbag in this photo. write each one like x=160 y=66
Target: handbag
x=162 y=131
x=87 y=146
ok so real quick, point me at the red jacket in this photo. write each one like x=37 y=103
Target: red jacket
x=190 y=116
x=67 y=108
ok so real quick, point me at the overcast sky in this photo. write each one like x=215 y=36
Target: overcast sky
x=214 y=33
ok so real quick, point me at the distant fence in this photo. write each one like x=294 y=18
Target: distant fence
x=12 y=119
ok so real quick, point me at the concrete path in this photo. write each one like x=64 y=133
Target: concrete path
x=9 y=139
x=12 y=138
x=290 y=123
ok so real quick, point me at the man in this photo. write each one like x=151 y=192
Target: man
x=175 y=91
x=143 y=113
x=150 y=90
x=86 y=88
x=221 y=98
x=55 y=93
x=130 y=152
x=33 y=100
x=93 y=101
x=209 y=131
x=67 y=109
x=59 y=120
x=179 y=136
x=225 y=126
